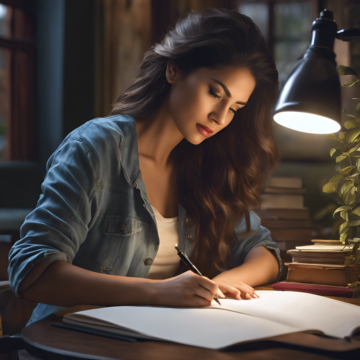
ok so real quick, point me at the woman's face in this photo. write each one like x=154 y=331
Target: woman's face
x=207 y=97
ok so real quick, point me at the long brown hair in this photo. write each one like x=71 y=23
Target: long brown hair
x=221 y=179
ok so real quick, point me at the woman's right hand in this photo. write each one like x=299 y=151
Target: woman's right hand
x=186 y=289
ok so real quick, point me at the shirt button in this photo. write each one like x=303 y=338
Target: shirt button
x=148 y=261
x=121 y=226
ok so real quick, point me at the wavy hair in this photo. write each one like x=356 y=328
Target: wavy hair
x=221 y=179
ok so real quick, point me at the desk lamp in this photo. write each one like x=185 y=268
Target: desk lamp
x=310 y=100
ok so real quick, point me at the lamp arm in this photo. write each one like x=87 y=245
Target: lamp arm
x=347 y=34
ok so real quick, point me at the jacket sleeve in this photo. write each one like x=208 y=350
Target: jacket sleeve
x=257 y=236
x=58 y=225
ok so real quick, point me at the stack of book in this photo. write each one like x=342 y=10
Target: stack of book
x=282 y=211
x=327 y=267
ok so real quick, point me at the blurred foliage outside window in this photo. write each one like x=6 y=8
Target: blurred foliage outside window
x=290 y=34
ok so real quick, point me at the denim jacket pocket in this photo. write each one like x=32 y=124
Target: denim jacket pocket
x=119 y=234
x=120 y=225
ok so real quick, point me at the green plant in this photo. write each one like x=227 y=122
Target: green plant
x=346 y=183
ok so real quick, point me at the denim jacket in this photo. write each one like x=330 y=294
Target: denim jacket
x=94 y=212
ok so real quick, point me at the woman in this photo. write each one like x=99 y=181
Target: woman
x=188 y=146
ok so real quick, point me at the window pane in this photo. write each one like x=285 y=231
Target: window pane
x=22 y=27
x=292 y=22
x=5 y=17
x=286 y=54
x=4 y=99
x=259 y=13
x=293 y=19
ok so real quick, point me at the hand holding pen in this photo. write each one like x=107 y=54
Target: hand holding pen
x=192 y=267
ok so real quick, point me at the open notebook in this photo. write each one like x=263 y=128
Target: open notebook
x=216 y=327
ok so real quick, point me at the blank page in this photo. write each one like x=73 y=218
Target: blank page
x=198 y=327
x=296 y=309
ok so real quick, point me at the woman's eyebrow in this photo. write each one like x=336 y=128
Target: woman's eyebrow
x=227 y=92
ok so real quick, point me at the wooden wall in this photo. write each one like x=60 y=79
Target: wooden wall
x=124 y=30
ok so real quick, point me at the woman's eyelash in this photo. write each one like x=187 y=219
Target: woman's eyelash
x=211 y=92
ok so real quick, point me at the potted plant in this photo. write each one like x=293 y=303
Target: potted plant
x=346 y=183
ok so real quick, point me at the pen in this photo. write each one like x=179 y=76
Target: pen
x=192 y=267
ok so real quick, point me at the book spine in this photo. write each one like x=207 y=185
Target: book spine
x=318 y=261
x=333 y=277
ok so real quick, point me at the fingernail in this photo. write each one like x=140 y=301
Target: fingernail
x=238 y=297
x=256 y=295
x=248 y=296
x=221 y=293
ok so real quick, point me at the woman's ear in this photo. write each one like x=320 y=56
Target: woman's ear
x=172 y=72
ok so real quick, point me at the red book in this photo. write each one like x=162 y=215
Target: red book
x=315 y=289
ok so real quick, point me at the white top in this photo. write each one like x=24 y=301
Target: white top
x=167 y=260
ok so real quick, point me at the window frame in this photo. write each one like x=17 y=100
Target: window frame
x=21 y=125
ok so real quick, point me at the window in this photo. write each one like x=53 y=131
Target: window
x=18 y=132
x=286 y=26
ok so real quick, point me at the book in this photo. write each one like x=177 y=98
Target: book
x=324 y=290
x=285 y=223
x=323 y=257
x=281 y=190
x=326 y=242
x=292 y=234
x=328 y=248
x=235 y=322
x=284 y=182
x=289 y=244
x=283 y=213
x=322 y=274
x=277 y=201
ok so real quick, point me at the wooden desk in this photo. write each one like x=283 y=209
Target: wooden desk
x=42 y=339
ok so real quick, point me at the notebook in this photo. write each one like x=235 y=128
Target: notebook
x=217 y=327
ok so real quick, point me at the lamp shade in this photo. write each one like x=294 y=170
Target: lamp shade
x=310 y=100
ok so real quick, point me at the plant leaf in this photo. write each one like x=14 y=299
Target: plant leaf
x=346 y=170
x=344 y=215
x=354 y=222
x=336 y=177
x=350 y=124
x=354 y=134
x=341 y=136
x=350 y=83
x=344 y=188
x=357 y=107
x=343 y=236
x=346 y=70
x=340 y=158
x=343 y=227
x=356 y=211
x=330 y=187
x=333 y=137
x=335 y=152
x=341 y=208
x=352 y=177
x=348 y=114
x=354 y=148
x=349 y=195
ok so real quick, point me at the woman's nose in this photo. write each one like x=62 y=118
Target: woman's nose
x=220 y=116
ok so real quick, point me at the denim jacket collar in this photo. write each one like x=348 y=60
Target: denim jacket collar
x=133 y=177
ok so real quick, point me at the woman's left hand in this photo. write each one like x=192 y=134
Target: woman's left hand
x=234 y=289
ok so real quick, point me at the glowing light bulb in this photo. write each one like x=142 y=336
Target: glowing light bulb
x=306 y=122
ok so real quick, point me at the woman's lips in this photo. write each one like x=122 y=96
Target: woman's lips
x=204 y=130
